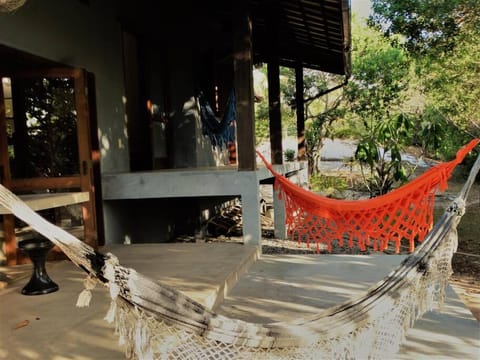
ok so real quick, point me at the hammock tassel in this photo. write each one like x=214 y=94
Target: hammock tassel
x=86 y=295
x=110 y=317
x=143 y=339
x=109 y=273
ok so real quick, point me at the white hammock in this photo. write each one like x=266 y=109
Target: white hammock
x=159 y=322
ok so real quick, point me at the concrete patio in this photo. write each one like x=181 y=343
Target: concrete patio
x=232 y=279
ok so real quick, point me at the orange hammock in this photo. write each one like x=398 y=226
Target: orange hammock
x=404 y=213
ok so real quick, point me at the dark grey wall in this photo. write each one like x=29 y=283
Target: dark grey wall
x=74 y=34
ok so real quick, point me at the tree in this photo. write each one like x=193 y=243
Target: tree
x=426 y=25
x=262 y=131
x=48 y=136
x=380 y=150
x=443 y=36
x=451 y=89
x=376 y=97
x=322 y=108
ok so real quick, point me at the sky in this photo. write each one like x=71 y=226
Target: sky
x=360 y=7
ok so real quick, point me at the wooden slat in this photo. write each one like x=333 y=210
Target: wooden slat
x=47 y=201
x=31 y=184
x=53 y=72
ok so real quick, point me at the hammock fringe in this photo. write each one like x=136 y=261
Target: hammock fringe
x=86 y=295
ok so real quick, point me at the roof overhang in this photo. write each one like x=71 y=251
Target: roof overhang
x=313 y=33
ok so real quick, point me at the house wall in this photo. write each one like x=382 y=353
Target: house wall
x=179 y=58
x=84 y=36
x=176 y=64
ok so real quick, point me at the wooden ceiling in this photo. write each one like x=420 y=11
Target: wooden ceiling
x=313 y=33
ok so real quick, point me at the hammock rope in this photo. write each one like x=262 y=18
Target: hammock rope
x=10 y=5
x=220 y=131
x=156 y=321
x=404 y=214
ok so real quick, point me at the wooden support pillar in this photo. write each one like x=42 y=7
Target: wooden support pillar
x=275 y=116
x=5 y=178
x=243 y=80
x=300 y=112
x=244 y=94
x=274 y=111
x=85 y=155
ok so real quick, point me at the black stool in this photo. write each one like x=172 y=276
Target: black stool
x=37 y=250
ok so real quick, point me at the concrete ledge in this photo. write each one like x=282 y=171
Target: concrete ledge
x=204 y=272
x=234 y=277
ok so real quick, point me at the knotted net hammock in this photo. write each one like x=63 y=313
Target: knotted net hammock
x=156 y=321
x=11 y=5
x=404 y=214
x=220 y=131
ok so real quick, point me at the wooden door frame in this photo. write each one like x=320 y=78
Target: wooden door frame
x=84 y=180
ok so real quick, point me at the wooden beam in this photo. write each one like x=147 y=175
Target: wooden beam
x=243 y=80
x=300 y=112
x=40 y=183
x=274 y=113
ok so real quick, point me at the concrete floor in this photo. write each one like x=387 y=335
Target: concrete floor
x=272 y=288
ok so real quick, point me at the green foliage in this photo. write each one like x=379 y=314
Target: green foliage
x=451 y=86
x=327 y=184
x=50 y=137
x=380 y=151
x=376 y=94
x=262 y=129
x=289 y=154
x=431 y=131
x=427 y=25
x=321 y=111
x=380 y=77
x=443 y=36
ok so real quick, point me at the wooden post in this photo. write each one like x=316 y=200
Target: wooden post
x=243 y=79
x=5 y=179
x=300 y=112
x=84 y=153
x=274 y=112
